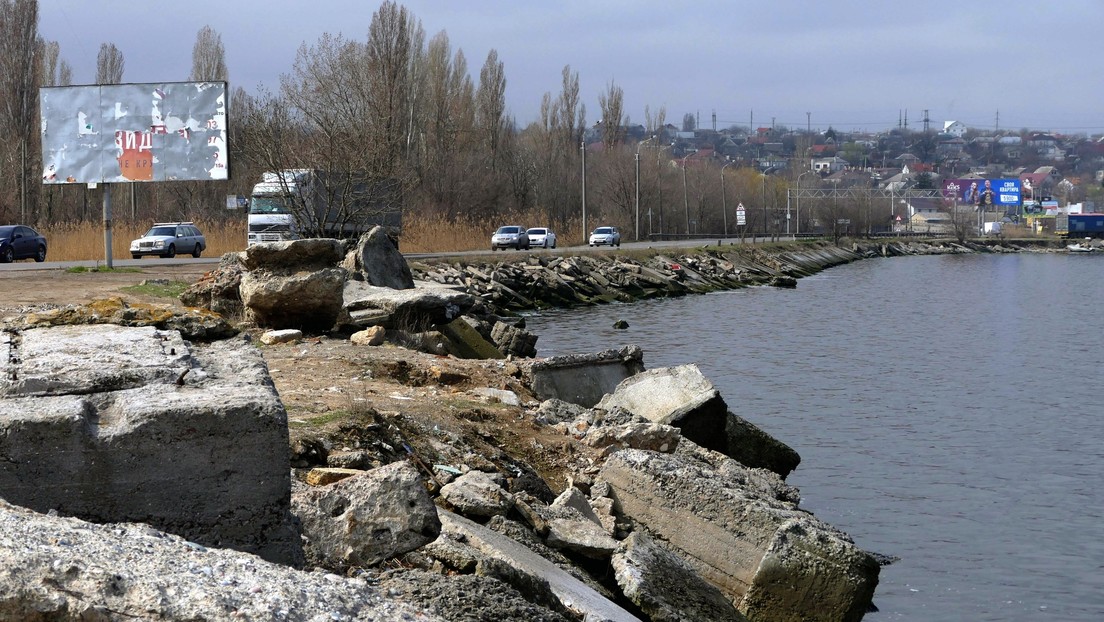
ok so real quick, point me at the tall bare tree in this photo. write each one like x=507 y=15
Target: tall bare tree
x=612 y=105
x=49 y=56
x=389 y=54
x=65 y=73
x=490 y=101
x=208 y=57
x=109 y=64
x=19 y=80
x=448 y=125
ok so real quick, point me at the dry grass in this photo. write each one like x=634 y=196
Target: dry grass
x=421 y=234
x=85 y=241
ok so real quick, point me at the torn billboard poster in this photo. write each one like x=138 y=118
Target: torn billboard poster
x=109 y=133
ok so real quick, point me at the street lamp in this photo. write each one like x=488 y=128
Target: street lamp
x=637 y=159
x=685 y=201
x=724 y=203
x=582 y=148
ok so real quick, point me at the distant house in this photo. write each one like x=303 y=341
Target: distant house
x=954 y=128
x=850 y=178
x=927 y=215
x=1035 y=185
x=827 y=166
x=907 y=158
x=951 y=146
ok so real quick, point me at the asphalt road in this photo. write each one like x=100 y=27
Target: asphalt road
x=27 y=264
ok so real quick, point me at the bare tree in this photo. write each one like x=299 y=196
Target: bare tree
x=490 y=101
x=208 y=57
x=572 y=114
x=448 y=125
x=49 y=57
x=655 y=123
x=65 y=73
x=109 y=64
x=612 y=105
x=389 y=55
x=19 y=81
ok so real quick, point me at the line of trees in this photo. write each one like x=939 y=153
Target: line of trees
x=401 y=105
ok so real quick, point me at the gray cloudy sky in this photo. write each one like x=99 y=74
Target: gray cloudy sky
x=849 y=64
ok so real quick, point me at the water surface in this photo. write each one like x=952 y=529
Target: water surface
x=946 y=409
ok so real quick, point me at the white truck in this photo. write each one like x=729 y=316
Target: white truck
x=308 y=203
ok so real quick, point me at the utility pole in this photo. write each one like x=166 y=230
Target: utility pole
x=582 y=148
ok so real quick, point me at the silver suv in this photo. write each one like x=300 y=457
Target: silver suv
x=166 y=239
x=510 y=236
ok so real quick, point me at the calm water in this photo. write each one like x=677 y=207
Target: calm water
x=947 y=411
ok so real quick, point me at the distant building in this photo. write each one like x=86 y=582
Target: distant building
x=954 y=128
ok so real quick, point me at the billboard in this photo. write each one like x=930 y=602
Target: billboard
x=171 y=131
x=987 y=192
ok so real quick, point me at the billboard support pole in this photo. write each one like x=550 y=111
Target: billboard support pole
x=107 y=224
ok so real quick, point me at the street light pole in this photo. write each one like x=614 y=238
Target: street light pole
x=724 y=201
x=685 y=201
x=637 y=161
x=582 y=148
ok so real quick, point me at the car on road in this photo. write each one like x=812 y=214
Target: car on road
x=21 y=242
x=605 y=235
x=510 y=236
x=542 y=237
x=166 y=239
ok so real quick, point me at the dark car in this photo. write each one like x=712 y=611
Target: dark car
x=21 y=242
x=166 y=239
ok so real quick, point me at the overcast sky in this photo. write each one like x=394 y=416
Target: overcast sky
x=847 y=64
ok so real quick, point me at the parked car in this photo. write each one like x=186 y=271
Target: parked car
x=605 y=235
x=21 y=242
x=166 y=239
x=510 y=236
x=542 y=237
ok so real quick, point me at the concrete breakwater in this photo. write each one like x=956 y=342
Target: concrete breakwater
x=533 y=282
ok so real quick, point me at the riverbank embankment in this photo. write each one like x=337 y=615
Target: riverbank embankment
x=540 y=281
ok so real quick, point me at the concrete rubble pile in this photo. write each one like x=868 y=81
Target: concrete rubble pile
x=146 y=475
x=541 y=281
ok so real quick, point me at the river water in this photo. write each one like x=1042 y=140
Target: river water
x=947 y=410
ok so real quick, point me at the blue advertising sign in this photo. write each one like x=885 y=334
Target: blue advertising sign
x=983 y=192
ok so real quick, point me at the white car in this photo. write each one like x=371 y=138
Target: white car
x=542 y=237
x=605 y=235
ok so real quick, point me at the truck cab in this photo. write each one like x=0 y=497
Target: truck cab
x=270 y=207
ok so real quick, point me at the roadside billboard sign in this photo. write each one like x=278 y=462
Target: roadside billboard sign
x=988 y=192
x=170 y=131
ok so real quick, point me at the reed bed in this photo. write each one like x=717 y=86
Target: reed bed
x=84 y=241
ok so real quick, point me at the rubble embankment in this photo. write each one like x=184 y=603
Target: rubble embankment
x=536 y=281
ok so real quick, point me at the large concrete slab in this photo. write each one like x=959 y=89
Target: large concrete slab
x=118 y=424
x=683 y=397
x=775 y=561
x=584 y=379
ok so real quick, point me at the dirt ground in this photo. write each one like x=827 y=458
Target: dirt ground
x=360 y=406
